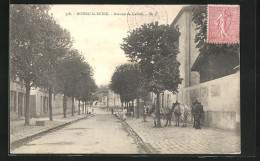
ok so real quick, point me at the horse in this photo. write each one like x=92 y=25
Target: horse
x=181 y=111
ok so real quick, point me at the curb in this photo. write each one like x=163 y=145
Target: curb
x=17 y=143
x=150 y=151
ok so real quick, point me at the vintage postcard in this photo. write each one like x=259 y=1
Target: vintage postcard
x=124 y=79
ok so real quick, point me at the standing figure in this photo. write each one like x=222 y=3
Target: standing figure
x=181 y=112
x=169 y=115
x=162 y=113
x=193 y=106
x=124 y=114
x=177 y=112
x=197 y=112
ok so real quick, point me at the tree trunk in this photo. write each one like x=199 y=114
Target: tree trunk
x=84 y=107
x=50 y=102
x=127 y=109
x=72 y=111
x=133 y=107
x=163 y=100
x=107 y=100
x=79 y=108
x=158 y=115
x=27 y=108
x=64 y=105
x=138 y=104
x=87 y=108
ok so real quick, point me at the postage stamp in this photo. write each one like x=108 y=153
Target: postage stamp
x=223 y=24
x=144 y=14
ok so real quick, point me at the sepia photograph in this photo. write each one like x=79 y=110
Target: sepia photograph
x=124 y=79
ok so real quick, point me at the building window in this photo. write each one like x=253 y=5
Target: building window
x=13 y=101
x=45 y=104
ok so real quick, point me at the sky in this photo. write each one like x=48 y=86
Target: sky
x=98 y=37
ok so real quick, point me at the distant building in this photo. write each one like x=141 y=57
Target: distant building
x=111 y=99
x=17 y=98
x=39 y=102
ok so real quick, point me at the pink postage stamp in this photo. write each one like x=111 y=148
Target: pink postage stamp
x=223 y=24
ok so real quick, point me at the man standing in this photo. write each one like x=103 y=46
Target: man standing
x=112 y=111
x=124 y=114
x=169 y=115
x=197 y=112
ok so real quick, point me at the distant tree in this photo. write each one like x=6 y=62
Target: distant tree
x=127 y=82
x=55 y=45
x=155 y=47
x=69 y=72
x=230 y=52
x=86 y=86
x=26 y=45
x=120 y=83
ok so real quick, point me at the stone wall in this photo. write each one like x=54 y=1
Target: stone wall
x=220 y=99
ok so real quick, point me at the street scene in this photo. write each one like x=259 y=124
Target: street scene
x=124 y=79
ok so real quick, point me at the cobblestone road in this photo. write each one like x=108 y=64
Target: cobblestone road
x=102 y=133
x=179 y=140
x=105 y=134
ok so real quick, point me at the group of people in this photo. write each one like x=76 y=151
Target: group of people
x=124 y=112
x=181 y=112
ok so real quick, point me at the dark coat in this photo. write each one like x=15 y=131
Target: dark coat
x=197 y=110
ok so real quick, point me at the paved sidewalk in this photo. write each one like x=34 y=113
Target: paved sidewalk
x=18 y=131
x=185 y=140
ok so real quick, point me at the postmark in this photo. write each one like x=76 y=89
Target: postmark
x=144 y=14
x=223 y=24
